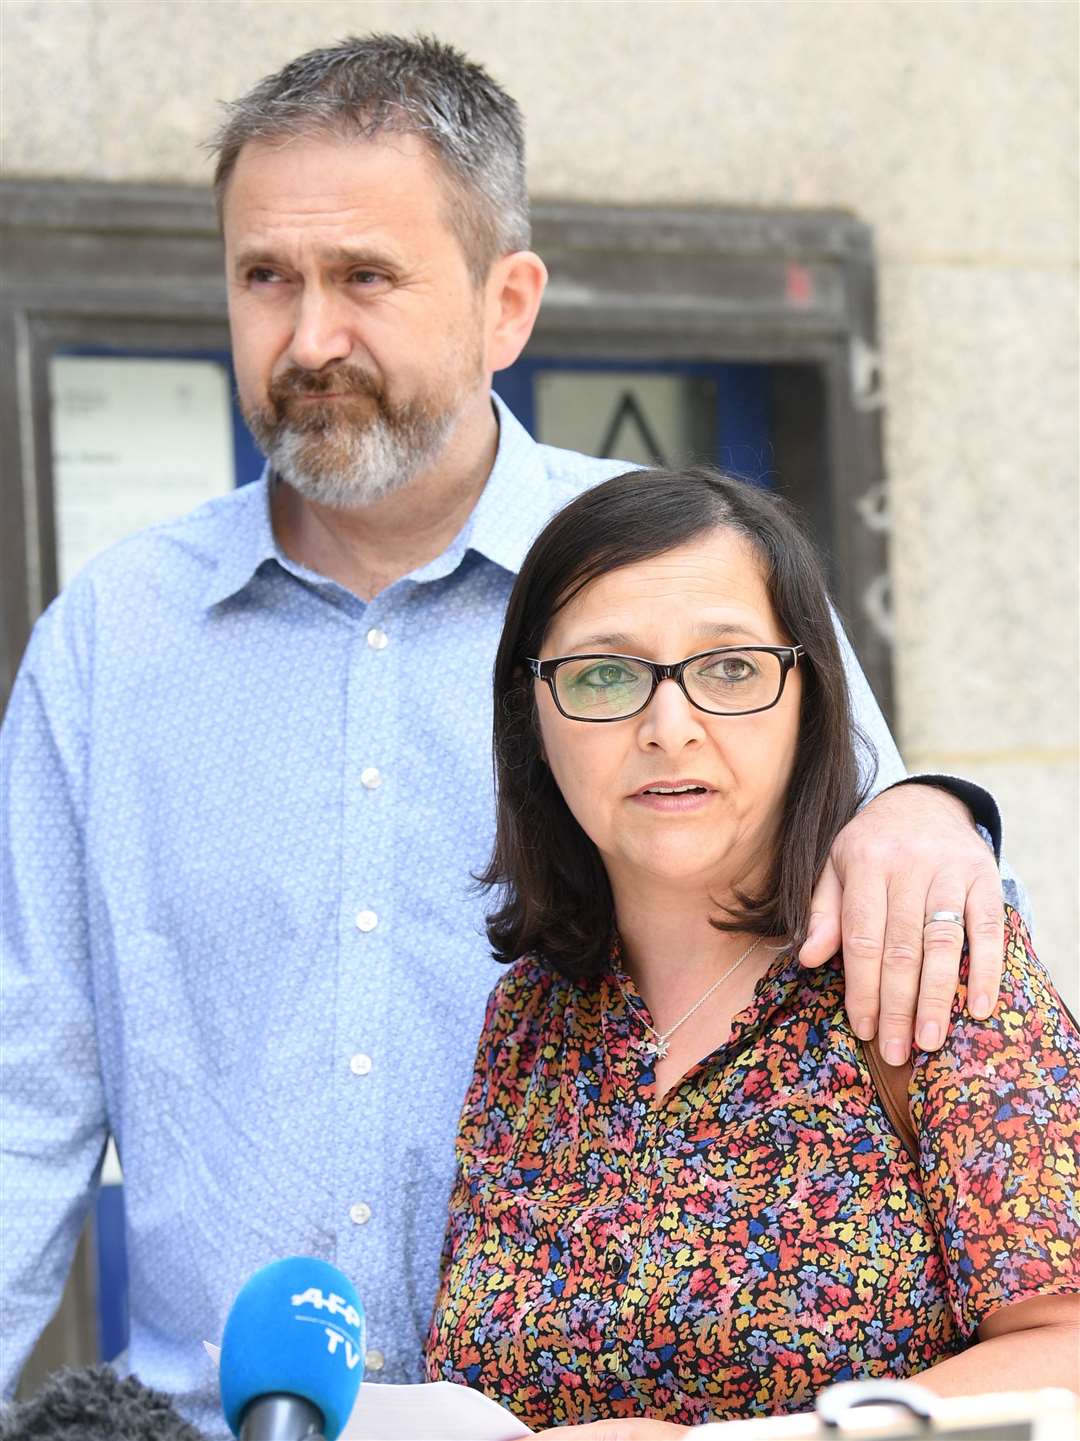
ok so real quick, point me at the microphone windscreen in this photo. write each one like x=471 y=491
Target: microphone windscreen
x=95 y=1404
x=297 y=1329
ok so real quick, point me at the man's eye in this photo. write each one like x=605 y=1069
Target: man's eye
x=365 y=277
x=262 y=275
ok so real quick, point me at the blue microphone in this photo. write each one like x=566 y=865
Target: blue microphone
x=292 y=1354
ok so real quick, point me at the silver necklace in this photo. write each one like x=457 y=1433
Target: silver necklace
x=657 y=1049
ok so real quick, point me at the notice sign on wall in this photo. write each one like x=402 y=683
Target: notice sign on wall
x=135 y=442
x=648 y=419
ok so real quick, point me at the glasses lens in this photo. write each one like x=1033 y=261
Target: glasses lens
x=602 y=687
x=730 y=681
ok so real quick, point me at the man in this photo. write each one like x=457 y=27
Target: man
x=246 y=763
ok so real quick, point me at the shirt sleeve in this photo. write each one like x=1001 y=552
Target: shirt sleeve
x=884 y=758
x=51 y=1093
x=997 y=1111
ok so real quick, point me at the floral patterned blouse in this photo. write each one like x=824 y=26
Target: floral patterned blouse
x=761 y=1232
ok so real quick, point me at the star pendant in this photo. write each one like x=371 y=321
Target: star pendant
x=657 y=1049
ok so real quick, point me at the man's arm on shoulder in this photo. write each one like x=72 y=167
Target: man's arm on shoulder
x=51 y=1095
x=913 y=851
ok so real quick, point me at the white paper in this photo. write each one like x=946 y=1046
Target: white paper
x=435 y=1411
x=135 y=442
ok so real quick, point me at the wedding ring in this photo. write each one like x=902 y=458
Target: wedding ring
x=954 y=916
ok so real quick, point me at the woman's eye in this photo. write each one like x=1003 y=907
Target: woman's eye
x=605 y=675
x=732 y=668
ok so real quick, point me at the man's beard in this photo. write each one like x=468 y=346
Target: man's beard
x=351 y=452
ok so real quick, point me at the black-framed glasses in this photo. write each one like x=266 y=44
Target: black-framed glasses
x=731 y=680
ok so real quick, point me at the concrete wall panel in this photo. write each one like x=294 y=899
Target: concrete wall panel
x=1037 y=792
x=946 y=126
x=49 y=89
x=982 y=402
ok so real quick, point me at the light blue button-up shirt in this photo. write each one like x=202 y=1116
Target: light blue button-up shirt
x=242 y=812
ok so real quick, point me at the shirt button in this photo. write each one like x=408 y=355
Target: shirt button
x=360 y=1064
x=360 y=1213
x=616 y=1266
x=377 y=639
x=366 y=921
x=374 y=1360
x=370 y=777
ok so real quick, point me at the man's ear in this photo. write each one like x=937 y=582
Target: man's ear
x=512 y=295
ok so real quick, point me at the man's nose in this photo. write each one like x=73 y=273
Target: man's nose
x=321 y=335
x=669 y=721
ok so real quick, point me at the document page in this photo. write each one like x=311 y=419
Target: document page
x=437 y=1411
x=433 y=1411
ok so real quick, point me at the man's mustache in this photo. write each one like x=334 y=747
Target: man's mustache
x=344 y=380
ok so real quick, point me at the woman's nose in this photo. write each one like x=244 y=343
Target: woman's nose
x=669 y=721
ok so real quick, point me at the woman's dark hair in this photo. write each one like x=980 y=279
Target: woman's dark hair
x=555 y=898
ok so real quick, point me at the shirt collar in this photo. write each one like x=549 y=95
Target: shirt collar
x=518 y=499
x=250 y=542
x=515 y=504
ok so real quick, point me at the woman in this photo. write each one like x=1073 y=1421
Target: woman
x=679 y=1194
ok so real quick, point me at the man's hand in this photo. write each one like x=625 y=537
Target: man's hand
x=617 y=1431
x=911 y=851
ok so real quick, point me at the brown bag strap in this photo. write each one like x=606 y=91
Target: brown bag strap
x=891 y=1084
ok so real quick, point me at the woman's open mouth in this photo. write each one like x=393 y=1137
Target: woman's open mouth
x=674 y=795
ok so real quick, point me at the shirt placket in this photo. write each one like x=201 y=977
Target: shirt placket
x=652 y=1158
x=366 y=925
x=632 y=1076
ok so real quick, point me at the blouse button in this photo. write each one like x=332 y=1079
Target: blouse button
x=617 y=1266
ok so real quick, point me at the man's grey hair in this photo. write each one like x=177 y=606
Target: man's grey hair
x=360 y=88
